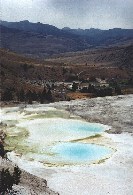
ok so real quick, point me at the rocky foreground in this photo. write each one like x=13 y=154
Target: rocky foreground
x=29 y=184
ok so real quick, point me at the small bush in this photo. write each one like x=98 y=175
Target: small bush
x=7 y=180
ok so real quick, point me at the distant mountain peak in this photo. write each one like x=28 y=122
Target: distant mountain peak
x=94 y=29
x=24 y=21
x=66 y=28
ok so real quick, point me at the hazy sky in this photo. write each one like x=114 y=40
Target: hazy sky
x=102 y=14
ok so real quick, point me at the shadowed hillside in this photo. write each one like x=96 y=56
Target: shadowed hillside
x=40 y=44
x=44 y=40
x=98 y=37
x=118 y=56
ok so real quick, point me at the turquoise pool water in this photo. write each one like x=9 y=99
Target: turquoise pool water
x=80 y=152
x=49 y=130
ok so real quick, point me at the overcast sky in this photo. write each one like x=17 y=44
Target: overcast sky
x=102 y=14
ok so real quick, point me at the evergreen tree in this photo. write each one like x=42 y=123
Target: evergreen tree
x=21 y=95
x=34 y=96
x=74 y=87
x=16 y=175
x=29 y=97
x=7 y=180
x=2 y=151
x=118 y=90
x=7 y=95
x=49 y=95
x=43 y=96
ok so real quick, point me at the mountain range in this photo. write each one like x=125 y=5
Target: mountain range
x=44 y=40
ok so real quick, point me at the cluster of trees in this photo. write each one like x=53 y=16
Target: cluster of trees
x=99 y=91
x=7 y=179
x=102 y=91
x=10 y=94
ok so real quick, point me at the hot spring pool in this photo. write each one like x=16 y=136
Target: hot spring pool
x=77 y=153
x=52 y=130
x=50 y=140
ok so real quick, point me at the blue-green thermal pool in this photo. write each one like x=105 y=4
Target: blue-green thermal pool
x=51 y=136
x=80 y=152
